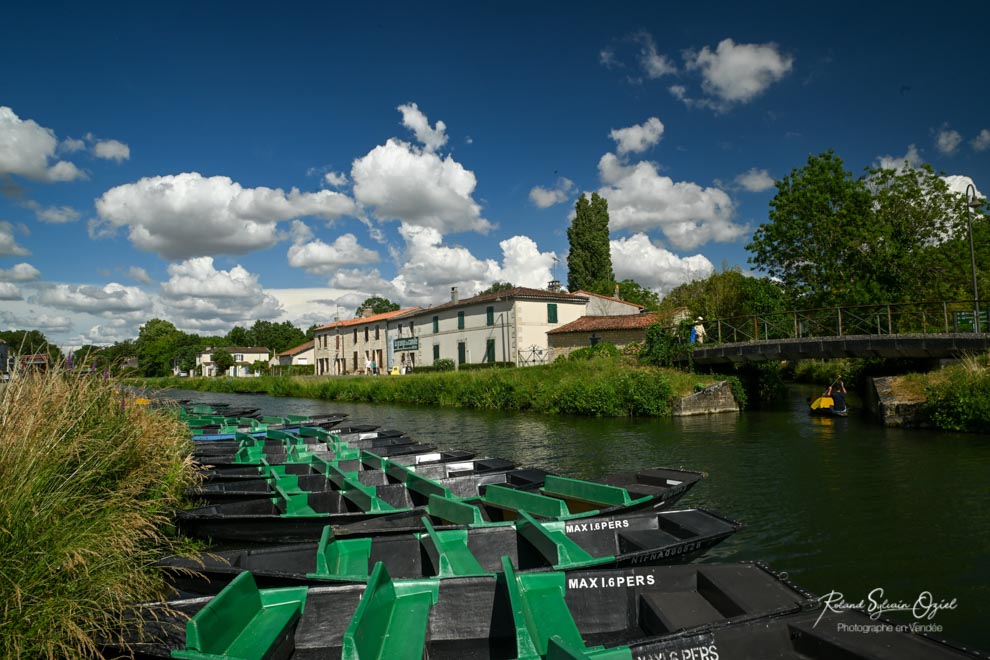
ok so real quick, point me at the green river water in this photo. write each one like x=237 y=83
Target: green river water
x=839 y=504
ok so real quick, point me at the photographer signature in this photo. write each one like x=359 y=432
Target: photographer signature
x=924 y=608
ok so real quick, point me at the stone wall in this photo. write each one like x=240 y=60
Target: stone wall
x=715 y=398
x=896 y=411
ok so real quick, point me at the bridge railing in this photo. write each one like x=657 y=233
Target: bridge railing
x=901 y=318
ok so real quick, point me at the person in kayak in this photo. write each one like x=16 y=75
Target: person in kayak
x=838 y=394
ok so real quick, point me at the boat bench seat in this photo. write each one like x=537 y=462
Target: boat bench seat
x=520 y=500
x=243 y=623
x=341 y=557
x=540 y=611
x=364 y=497
x=294 y=504
x=392 y=619
x=587 y=492
x=450 y=548
x=635 y=540
x=554 y=545
x=454 y=511
x=669 y=612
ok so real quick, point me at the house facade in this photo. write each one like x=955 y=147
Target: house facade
x=620 y=330
x=347 y=347
x=301 y=355
x=505 y=326
x=599 y=305
x=244 y=358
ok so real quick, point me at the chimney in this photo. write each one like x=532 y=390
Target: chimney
x=454 y=298
x=366 y=312
x=553 y=286
x=617 y=291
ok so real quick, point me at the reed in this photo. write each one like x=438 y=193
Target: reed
x=89 y=483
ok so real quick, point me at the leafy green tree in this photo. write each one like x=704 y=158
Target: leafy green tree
x=817 y=239
x=223 y=361
x=156 y=345
x=30 y=342
x=632 y=291
x=498 y=286
x=113 y=357
x=378 y=305
x=589 y=261
x=238 y=336
x=277 y=337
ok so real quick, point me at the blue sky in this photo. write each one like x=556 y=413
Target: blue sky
x=213 y=163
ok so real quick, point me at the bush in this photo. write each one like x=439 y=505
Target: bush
x=960 y=399
x=662 y=347
x=443 y=364
x=486 y=365
x=601 y=349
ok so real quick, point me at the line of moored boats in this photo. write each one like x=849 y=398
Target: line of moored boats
x=336 y=541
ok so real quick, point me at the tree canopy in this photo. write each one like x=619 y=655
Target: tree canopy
x=888 y=236
x=727 y=294
x=379 y=305
x=223 y=360
x=589 y=261
x=633 y=292
x=496 y=287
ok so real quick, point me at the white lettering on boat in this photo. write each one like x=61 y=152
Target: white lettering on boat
x=596 y=525
x=666 y=552
x=610 y=581
x=709 y=652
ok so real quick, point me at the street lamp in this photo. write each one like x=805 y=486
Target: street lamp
x=972 y=202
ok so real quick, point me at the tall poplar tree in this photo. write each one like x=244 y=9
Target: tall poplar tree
x=589 y=261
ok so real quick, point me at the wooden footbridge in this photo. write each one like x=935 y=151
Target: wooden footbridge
x=934 y=330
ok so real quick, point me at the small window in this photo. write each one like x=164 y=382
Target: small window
x=366 y=330
x=436 y=324
x=551 y=312
x=410 y=328
x=490 y=351
x=377 y=334
x=460 y=320
x=355 y=335
x=436 y=351
x=489 y=316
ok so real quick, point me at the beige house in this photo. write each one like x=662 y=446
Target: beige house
x=599 y=305
x=505 y=326
x=620 y=330
x=301 y=355
x=351 y=346
x=244 y=358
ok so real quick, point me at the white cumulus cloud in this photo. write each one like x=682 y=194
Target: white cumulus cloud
x=10 y=291
x=547 y=197
x=53 y=214
x=335 y=179
x=654 y=267
x=139 y=274
x=27 y=149
x=755 y=180
x=22 y=272
x=8 y=244
x=413 y=118
x=655 y=64
x=947 y=140
x=641 y=199
x=738 y=73
x=982 y=141
x=911 y=159
x=111 y=150
x=637 y=139
x=110 y=299
x=187 y=215
x=207 y=298
x=417 y=187
x=322 y=258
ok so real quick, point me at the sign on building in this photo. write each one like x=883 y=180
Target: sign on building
x=406 y=344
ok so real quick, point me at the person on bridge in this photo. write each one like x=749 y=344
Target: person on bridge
x=698 y=331
x=838 y=394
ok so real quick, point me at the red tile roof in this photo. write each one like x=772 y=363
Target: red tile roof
x=516 y=292
x=367 y=319
x=301 y=348
x=598 y=295
x=620 y=322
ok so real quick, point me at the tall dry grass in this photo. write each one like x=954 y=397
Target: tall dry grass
x=88 y=483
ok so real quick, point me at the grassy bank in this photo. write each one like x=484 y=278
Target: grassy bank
x=602 y=386
x=89 y=483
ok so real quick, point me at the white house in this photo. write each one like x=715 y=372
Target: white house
x=301 y=355
x=599 y=305
x=346 y=347
x=505 y=326
x=244 y=358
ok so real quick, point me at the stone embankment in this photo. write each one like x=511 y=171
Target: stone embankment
x=716 y=398
x=894 y=408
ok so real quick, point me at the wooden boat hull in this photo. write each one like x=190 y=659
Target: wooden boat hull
x=640 y=539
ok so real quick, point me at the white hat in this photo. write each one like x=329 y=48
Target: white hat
x=701 y=318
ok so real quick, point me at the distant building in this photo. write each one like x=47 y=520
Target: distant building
x=346 y=347
x=504 y=326
x=599 y=305
x=301 y=355
x=244 y=358
x=620 y=330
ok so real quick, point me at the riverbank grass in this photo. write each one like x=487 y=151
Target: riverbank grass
x=601 y=386
x=89 y=484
